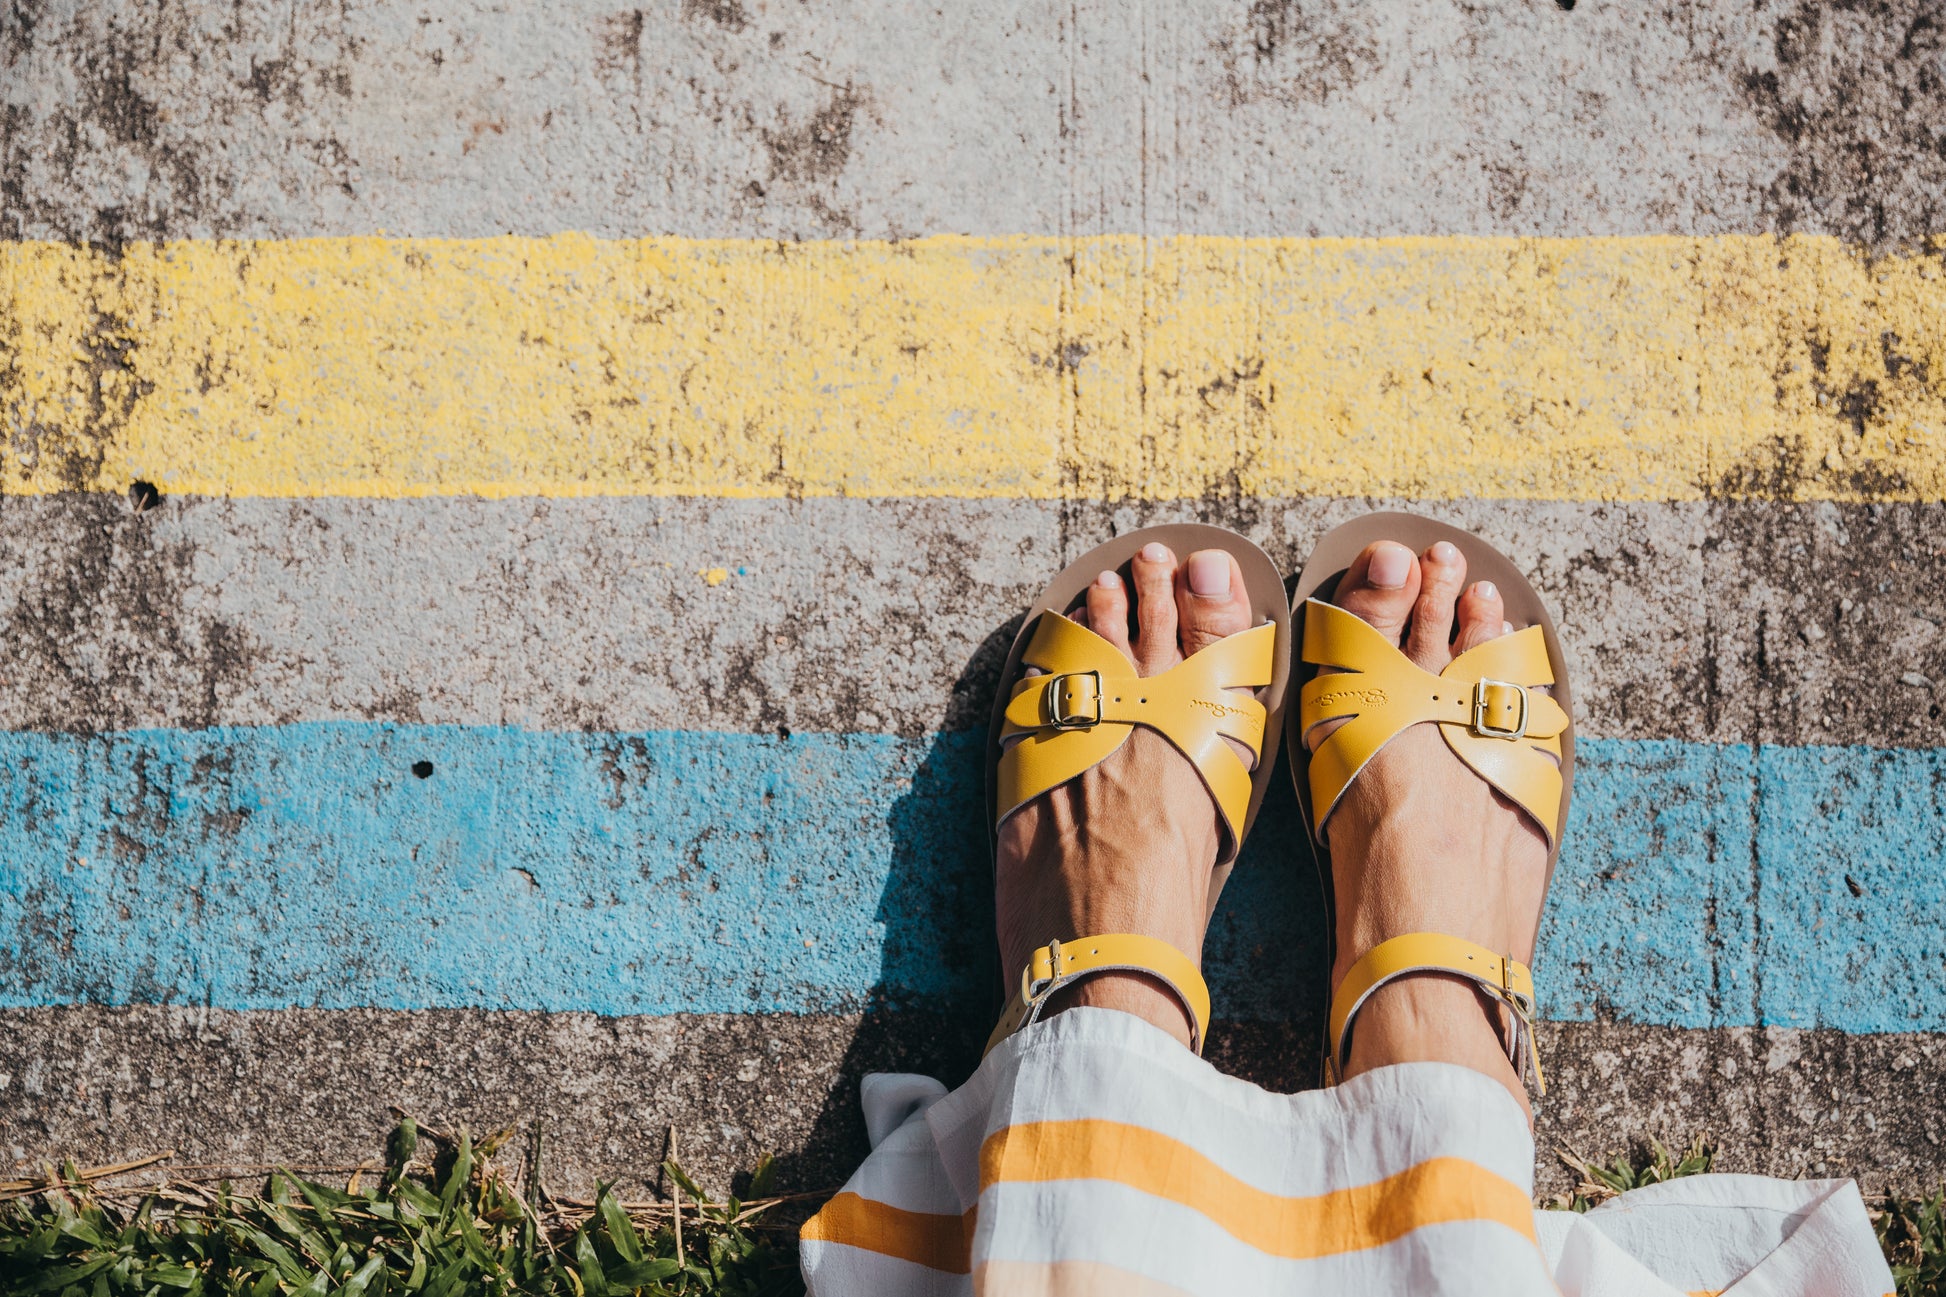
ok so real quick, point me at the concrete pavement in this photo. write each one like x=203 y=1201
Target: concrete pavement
x=1740 y=527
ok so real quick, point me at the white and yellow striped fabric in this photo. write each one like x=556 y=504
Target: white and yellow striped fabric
x=1092 y=1154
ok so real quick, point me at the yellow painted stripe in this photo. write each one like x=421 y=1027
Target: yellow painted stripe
x=1437 y=1191
x=1618 y=368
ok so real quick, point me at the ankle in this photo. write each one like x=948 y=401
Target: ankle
x=1434 y=1018
x=1132 y=993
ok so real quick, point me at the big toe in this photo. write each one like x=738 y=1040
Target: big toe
x=1210 y=599
x=1380 y=587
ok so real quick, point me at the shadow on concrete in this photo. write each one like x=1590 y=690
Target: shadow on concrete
x=1266 y=952
x=938 y=895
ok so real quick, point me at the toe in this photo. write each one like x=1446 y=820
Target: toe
x=1153 y=573
x=1481 y=616
x=1210 y=599
x=1108 y=610
x=1429 y=640
x=1380 y=586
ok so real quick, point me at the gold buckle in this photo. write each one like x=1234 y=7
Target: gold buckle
x=1487 y=729
x=1034 y=989
x=1060 y=715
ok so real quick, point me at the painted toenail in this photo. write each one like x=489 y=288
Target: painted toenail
x=1109 y=581
x=1155 y=553
x=1506 y=628
x=1391 y=565
x=1445 y=552
x=1487 y=590
x=1209 y=575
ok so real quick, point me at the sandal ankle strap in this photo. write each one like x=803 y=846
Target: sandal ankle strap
x=1060 y=964
x=1500 y=976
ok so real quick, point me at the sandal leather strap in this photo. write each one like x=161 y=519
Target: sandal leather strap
x=1500 y=976
x=1487 y=704
x=1089 y=699
x=1062 y=963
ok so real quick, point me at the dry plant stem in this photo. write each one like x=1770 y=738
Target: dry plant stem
x=189 y=1190
x=38 y=1184
x=675 y=1196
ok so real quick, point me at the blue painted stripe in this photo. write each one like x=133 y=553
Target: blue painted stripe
x=652 y=873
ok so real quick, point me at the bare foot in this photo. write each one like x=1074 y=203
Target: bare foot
x=1420 y=843
x=1129 y=845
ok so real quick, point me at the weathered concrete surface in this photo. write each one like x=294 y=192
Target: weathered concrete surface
x=1726 y=623
x=257 y=120
x=1783 y=1102
x=311 y=1087
x=129 y=121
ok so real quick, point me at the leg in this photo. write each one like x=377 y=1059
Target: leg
x=1095 y=1156
x=1421 y=843
x=1128 y=846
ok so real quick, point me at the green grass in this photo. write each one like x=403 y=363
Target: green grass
x=1913 y=1233
x=440 y=1216
x=1652 y=1164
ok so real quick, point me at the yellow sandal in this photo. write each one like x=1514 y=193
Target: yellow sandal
x=1490 y=710
x=1087 y=698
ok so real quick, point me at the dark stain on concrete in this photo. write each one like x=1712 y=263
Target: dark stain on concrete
x=1290 y=52
x=1857 y=91
x=73 y=456
x=1782 y=1102
x=1787 y=465
x=99 y=623
x=120 y=135
x=113 y=101
x=818 y=148
x=1237 y=378
x=1507 y=184
x=727 y=14
x=17 y=26
x=1852 y=90
x=1897 y=364
x=1866 y=606
x=626 y=764
x=271 y=80
x=108 y=74
x=618 y=46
